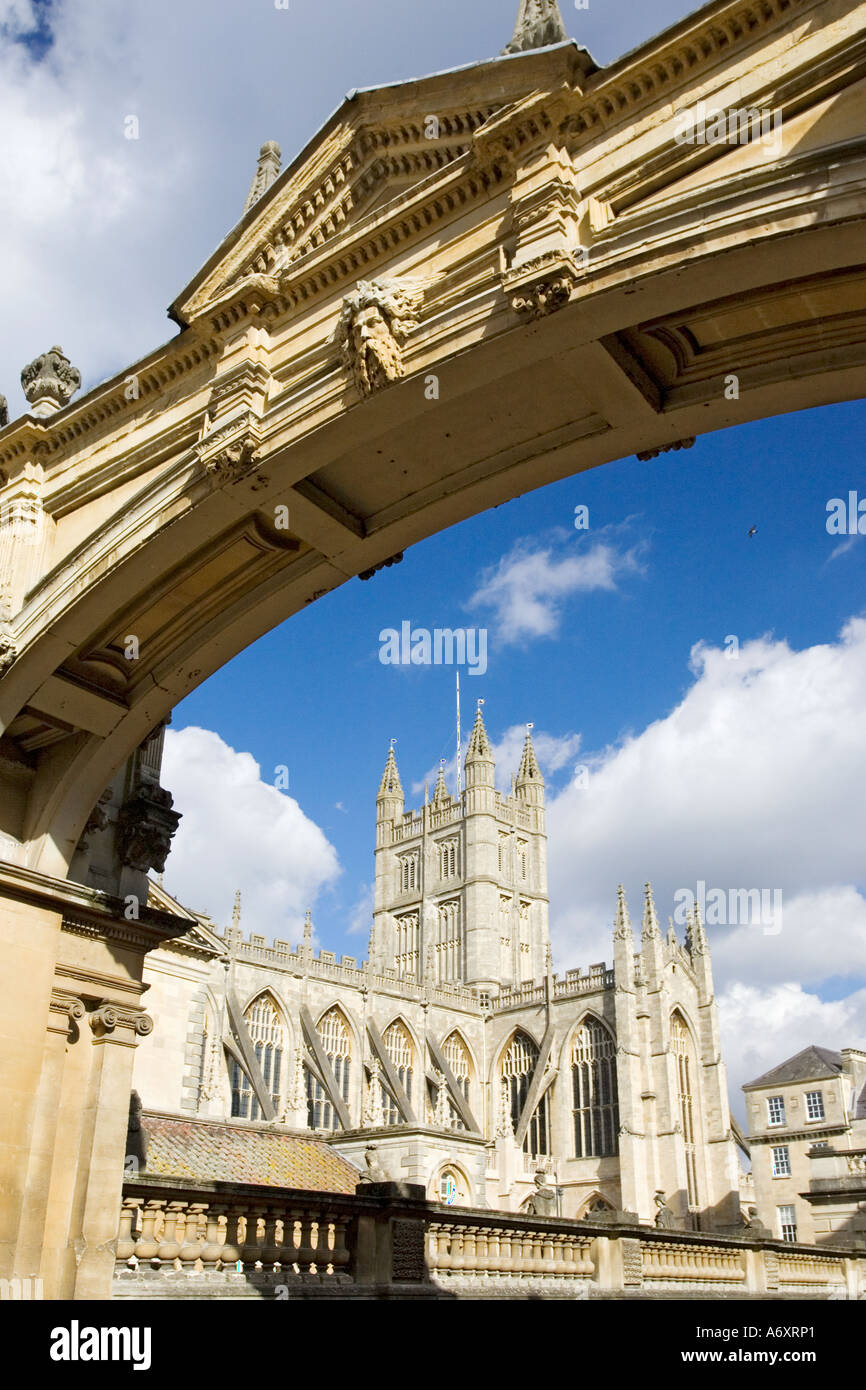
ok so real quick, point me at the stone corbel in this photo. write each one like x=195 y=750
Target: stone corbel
x=541 y=286
x=231 y=451
x=145 y=828
x=108 y=1017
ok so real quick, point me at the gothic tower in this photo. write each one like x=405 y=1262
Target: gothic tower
x=461 y=883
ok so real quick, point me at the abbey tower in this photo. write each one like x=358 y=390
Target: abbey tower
x=461 y=884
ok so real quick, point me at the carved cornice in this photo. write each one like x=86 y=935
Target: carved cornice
x=232 y=450
x=542 y=285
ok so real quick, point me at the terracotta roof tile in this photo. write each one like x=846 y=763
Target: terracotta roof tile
x=206 y=1151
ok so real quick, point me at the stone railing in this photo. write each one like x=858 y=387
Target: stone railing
x=226 y=1240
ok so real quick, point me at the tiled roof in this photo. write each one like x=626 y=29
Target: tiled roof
x=812 y=1064
x=205 y=1151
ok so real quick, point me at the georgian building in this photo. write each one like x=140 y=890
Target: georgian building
x=454 y=1048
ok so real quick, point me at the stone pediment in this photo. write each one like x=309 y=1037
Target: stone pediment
x=380 y=146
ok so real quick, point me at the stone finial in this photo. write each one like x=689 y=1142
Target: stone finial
x=442 y=1114
x=651 y=930
x=390 y=784
x=236 y=910
x=622 y=922
x=479 y=743
x=529 y=771
x=308 y=931
x=4 y=412
x=267 y=172
x=539 y=24
x=50 y=382
x=440 y=791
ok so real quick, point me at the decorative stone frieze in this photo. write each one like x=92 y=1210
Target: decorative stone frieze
x=109 y=1017
x=232 y=451
x=50 y=382
x=145 y=829
x=646 y=454
x=541 y=286
x=374 y=324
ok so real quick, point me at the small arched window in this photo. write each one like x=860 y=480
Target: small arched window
x=336 y=1041
x=269 y=1043
x=593 y=1077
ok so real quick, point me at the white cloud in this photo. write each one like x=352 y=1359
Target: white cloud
x=756 y=779
x=763 y=1027
x=528 y=586
x=240 y=832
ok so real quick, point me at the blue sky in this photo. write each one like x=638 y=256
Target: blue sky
x=746 y=772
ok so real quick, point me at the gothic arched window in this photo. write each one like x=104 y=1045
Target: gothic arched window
x=336 y=1041
x=398 y=1045
x=269 y=1043
x=447 y=858
x=406 y=953
x=518 y=1066
x=449 y=947
x=408 y=864
x=593 y=1076
x=457 y=1058
x=684 y=1060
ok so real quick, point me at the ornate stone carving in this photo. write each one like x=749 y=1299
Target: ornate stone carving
x=542 y=1201
x=108 y=1017
x=69 y=1011
x=666 y=1220
x=632 y=1261
x=375 y=321
x=4 y=412
x=539 y=24
x=374 y=1115
x=442 y=1113
x=145 y=829
x=96 y=821
x=504 y=1122
x=50 y=382
x=408 y=1264
x=8 y=648
x=267 y=172
x=646 y=454
x=232 y=451
x=373 y=1170
x=544 y=296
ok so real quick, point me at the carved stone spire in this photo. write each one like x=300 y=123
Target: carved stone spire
x=622 y=930
x=440 y=791
x=672 y=933
x=529 y=771
x=479 y=743
x=49 y=382
x=651 y=931
x=267 y=171
x=696 y=938
x=390 y=784
x=539 y=23
x=236 y=911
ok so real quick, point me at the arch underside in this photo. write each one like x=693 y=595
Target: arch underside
x=638 y=361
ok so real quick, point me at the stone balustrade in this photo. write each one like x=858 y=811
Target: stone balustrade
x=183 y=1240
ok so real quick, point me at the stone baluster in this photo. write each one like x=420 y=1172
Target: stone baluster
x=270 y=1253
x=536 y=1263
x=547 y=1255
x=192 y=1241
x=482 y=1247
x=231 y=1250
x=442 y=1255
x=470 y=1247
x=494 y=1255
x=305 y=1253
x=125 y=1239
x=212 y=1249
x=169 y=1246
x=147 y=1245
x=506 y=1252
x=458 y=1259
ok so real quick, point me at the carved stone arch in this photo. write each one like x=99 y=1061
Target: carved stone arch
x=474 y=1069
x=418 y=1054
x=686 y=1019
x=588 y=1014
x=500 y=1052
x=591 y=1203
x=352 y=1025
x=279 y=1004
x=450 y=1166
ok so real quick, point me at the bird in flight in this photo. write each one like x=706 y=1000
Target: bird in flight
x=753 y=531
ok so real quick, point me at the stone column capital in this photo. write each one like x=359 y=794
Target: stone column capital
x=108 y=1018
